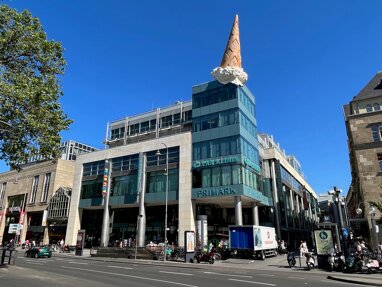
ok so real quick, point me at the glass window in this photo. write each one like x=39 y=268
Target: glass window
x=376 y=107
x=205 y=150
x=45 y=189
x=153 y=124
x=34 y=189
x=176 y=119
x=226 y=175
x=216 y=176
x=91 y=189
x=369 y=108
x=166 y=121
x=376 y=132
x=196 y=152
x=2 y=192
x=145 y=126
x=206 y=177
x=134 y=129
x=120 y=186
x=215 y=148
x=379 y=155
x=173 y=180
x=224 y=147
x=236 y=174
x=187 y=116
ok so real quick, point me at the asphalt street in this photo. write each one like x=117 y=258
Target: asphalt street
x=71 y=271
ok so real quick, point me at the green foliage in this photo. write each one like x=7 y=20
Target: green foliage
x=31 y=117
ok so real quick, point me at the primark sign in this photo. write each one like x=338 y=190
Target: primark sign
x=215 y=161
x=215 y=192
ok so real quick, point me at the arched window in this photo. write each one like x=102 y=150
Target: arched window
x=369 y=108
x=376 y=107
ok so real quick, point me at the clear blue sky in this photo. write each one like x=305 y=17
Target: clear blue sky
x=305 y=60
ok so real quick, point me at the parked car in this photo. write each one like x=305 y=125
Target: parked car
x=37 y=252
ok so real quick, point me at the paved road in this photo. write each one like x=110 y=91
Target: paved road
x=71 y=271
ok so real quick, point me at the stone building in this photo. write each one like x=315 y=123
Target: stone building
x=363 y=119
x=34 y=202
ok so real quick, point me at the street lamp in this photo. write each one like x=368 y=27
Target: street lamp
x=374 y=227
x=165 y=218
x=335 y=192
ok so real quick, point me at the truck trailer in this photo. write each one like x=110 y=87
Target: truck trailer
x=259 y=241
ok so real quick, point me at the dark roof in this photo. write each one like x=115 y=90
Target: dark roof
x=372 y=89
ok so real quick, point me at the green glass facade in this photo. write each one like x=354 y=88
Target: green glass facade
x=225 y=156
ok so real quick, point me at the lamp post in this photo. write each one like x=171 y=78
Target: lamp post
x=336 y=200
x=165 y=218
x=374 y=227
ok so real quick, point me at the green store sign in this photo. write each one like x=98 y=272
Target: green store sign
x=215 y=161
x=251 y=164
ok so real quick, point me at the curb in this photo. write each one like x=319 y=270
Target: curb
x=353 y=281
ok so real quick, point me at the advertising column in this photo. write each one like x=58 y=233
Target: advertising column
x=202 y=232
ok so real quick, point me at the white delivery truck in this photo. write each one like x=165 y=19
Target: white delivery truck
x=260 y=241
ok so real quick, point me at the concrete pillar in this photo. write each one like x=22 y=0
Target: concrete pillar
x=255 y=213
x=141 y=217
x=45 y=239
x=275 y=200
x=238 y=211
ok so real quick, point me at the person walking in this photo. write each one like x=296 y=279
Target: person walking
x=303 y=248
x=62 y=246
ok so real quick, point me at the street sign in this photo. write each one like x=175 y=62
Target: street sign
x=13 y=228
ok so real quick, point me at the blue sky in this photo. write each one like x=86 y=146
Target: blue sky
x=305 y=60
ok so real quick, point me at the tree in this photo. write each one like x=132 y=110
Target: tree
x=31 y=117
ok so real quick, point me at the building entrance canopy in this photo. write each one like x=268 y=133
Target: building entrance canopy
x=225 y=194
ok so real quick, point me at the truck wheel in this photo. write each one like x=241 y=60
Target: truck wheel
x=262 y=255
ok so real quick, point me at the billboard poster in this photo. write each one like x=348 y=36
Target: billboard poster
x=80 y=242
x=190 y=241
x=324 y=241
x=44 y=218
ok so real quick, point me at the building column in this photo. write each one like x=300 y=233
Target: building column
x=238 y=211
x=45 y=238
x=275 y=199
x=255 y=213
x=141 y=217
x=23 y=232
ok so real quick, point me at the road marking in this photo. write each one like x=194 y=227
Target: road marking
x=231 y=275
x=253 y=282
x=131 y=276
x=267 y=275
x=74 y=262
x=187 y=274
x=344 y=283
x=34 y=263
x=121 y=267
x=299 y=278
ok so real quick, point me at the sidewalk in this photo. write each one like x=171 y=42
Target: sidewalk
x=271 y=264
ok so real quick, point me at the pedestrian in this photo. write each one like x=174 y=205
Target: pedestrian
x=62 y=245
x=303 y=248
